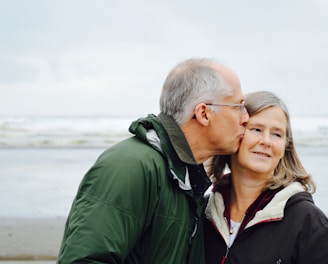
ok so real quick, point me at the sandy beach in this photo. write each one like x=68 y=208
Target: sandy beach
x=27 y=262
x=37 y=261
x=30 y=239
x=38 y=187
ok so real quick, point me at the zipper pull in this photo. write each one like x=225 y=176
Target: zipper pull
x=194 y=231
x=224 y=258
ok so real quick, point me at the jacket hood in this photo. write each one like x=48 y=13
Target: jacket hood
x=159 y=135
x=276 y=207
x=299 y=197
x=141 y=126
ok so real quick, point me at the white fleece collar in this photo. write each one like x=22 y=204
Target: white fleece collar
x=274 y=210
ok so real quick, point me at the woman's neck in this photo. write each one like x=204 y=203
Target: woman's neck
x=244 y=192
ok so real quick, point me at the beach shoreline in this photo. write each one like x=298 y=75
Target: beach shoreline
x=30 y=239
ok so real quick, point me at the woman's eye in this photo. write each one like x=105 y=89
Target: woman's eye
x=255 y=129
x=277 y=135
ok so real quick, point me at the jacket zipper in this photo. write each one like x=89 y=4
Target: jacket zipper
x=191 y=238
x=224 y=258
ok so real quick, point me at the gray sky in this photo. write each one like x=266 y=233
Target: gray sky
x=77 y=57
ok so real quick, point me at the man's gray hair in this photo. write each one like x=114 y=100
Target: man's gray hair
x=189 y=83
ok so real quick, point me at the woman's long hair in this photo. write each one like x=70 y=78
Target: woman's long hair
x=289 y=168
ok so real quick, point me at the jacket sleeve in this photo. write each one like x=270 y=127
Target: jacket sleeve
x=314 y=245
x=113 y=207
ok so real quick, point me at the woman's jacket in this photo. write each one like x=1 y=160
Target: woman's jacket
x=289 y=229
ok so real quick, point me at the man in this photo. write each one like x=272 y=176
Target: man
x=141 y=201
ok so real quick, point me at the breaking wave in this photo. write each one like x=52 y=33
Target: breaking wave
x=103 y=131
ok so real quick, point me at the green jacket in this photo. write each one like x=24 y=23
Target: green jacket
x=136 y=204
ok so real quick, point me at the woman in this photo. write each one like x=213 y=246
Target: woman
x=262 y=211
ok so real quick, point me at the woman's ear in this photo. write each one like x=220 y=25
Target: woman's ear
x=202 y=114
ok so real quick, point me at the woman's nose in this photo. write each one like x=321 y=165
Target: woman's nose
x=266 y=139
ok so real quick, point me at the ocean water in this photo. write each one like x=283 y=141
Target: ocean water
x=43 y=159
x=62 y=131
x=101 y=131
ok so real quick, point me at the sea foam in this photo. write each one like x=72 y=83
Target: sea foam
x=103 y=131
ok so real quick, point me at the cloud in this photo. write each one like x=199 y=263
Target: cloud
x=81 y=57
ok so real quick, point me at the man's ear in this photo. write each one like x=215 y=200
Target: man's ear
x=201 y=114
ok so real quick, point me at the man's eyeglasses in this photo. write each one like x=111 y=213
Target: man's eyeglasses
x=241 y=106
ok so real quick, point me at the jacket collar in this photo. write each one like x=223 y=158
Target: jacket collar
x=276 y=207
x=196 y=177
x=271 y=209
x=164 y=134
x=177 y=139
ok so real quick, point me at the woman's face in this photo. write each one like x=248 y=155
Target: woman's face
x=264 y=142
